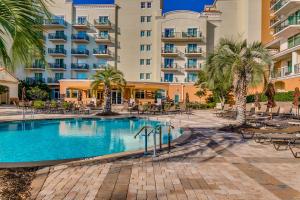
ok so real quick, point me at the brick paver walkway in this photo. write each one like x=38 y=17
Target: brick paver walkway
x=212 y=165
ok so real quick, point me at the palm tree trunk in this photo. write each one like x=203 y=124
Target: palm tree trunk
x=241 y=102
x=107 y=99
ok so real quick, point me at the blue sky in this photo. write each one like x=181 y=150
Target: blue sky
x=169 y=5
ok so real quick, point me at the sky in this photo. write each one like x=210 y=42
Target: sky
x=169 y=5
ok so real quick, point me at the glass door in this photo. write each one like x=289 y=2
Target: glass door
x=116 y=97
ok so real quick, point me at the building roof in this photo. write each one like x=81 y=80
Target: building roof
x=6 y=76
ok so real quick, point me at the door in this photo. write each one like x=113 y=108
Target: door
x=169 y=32
x=192 y=32
x=116 y=97
x=169 y=48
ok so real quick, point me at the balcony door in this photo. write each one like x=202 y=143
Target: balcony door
x=169 y=48
x=169 y=77
x=59 y=62
x=116 y=97
x=103 y=19
x=81 y=20
x=192 y=32
x=192 y=48
x=169 y=32
x=102 y=48
x=169 y=63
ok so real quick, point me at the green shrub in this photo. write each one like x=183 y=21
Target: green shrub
x=66 y=105
x=38 y=104
x=280 y=96
x=53 y=104
x=201 y=106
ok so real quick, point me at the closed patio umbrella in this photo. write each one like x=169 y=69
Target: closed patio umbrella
x=296 y=99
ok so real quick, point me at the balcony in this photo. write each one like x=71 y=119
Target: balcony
x=34 y=80
x=170 y=67
x=274 y=22
x=101 y=66
x=80 y=66
x=105 y=24
x=36 y=67
x=182 y=37
x=103 y=38
x=53 y=37
x=80 y=52
x=285 y=72
x=80 y=38
x=287 y=28
x=57 y=52
x=57 y=66
x=105 y=53
x=54 y=81
x=81 y=25
x=192 y=67
x=55 y=23
x=281 y=7
x=193 y=52
x=170 y=52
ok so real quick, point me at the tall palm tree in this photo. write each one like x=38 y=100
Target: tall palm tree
x=108 y=78
x=241 y=65
x=21 y=30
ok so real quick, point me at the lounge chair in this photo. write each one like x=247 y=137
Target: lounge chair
x=293 y=145
x=250 y=133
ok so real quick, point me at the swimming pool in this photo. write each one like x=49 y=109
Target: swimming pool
x=48 y=140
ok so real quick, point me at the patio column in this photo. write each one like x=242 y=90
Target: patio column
x=294 y=61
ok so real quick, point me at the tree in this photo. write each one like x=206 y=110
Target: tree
x=108 y=78
x=242 y=65
x=21 y=26
x=36 y=93
x=211 y=80
x=3 y=89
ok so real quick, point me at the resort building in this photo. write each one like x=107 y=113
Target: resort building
x=281 y=34
x=159 y=53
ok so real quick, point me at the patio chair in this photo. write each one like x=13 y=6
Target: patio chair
x=293 y=145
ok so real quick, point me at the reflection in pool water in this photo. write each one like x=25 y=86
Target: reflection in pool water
x=67 y=139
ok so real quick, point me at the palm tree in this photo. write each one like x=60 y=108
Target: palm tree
x=108 y=78
x=21 y=30
x=241 y=65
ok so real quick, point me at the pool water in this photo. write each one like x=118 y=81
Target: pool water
x=46 y=140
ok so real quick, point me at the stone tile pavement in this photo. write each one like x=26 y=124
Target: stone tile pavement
x=211 y=165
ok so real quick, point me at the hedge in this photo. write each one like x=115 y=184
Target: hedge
x=280 y=96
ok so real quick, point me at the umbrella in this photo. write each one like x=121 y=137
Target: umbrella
x=270 y=93
x=257 y=100
x=23 y=93
x=296 y=99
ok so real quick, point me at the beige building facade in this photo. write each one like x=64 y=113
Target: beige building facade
x=136 y=37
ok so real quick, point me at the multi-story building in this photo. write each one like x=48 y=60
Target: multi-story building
x=159 y=53
x=282 y=37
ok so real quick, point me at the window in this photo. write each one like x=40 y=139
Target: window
x=192 y=63
x=148 y=76
x=102 y=48
x=148 y=18
x=169 y=48
x=59 y=47
x=142 y=18
x=143 y=5
x=192 y=32
x=192 y=48
x=148 y=61
x=59 y=76
x=142 y=62
x=142 y=76
x=191 y=77
x=103 y=34
x=38 y=76
x=168 y=77
x=148 y=33
x=81 y=75
x=116 y=97
x=169 y=32
x=81 y=20
x=72 y=93
x=142 y=47
x=168 y=63
x=149 y=4
x=142 y=33
x=103 y=19
x=140 y=94
x=148 y=47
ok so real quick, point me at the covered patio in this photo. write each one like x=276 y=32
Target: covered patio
x=8 y=87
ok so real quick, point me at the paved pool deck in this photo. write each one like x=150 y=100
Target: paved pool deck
x=211 y=165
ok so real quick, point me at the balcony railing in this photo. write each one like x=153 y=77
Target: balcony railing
x=36 y=66
x=83 y=52
x=80 y=66
x=102 y=23
x=52 y=51
x=102 y=52
x=33 y=80
x=170 y=66
x=53 y=80
x=101 y=66
x=57 y=66
x=193 y=50
x=189 y=66
x=169 y=50
x=60 y=22
x=101 y=38
x=182 y=35
x=54 y=36
x=286 y=23
x=276 y=5
x=81 y=24
x=297 y=68
x=79 y=37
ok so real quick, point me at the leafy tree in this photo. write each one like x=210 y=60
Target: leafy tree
x=21 y=25
x=36 y=93
x=3 y=89
x=108 y=78
x=242 y=65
